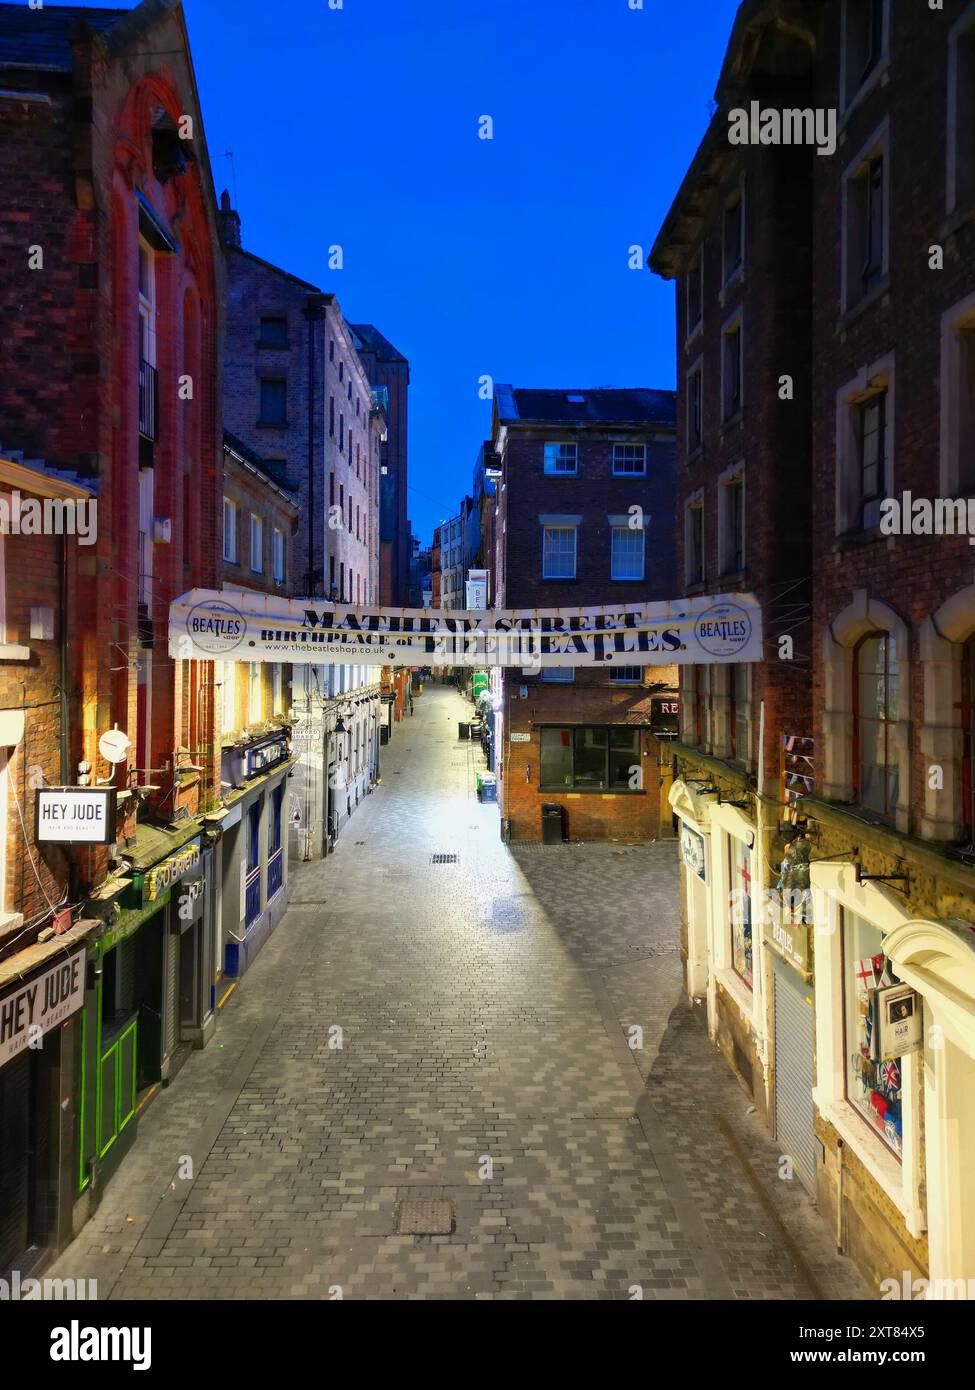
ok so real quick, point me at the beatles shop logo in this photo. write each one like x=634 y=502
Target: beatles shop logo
x=216 y=627
x=724 y=629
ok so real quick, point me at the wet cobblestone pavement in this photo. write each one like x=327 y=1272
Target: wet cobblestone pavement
x=485 y=1010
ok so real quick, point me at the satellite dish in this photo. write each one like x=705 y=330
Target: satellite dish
x=114 y=745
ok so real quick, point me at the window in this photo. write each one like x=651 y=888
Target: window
x=695 y=409
x=257 y=544
x=229 y=697
x=871 y=427
x=341 y=434
x=865 y=447
x=559 y=552
x=695 y=293
x=229 y=531
x=694 y=540
x=561 y=458
x=864 y=43
x=590 y=759
x=731 y=521
x=873 y=1087
x=274 y=333
x=331 y=417
x=740 y=713
x=558 y=675
x=147 y=303
x=961 y=112
x=740 y=894
x=629 y=460
x=733 y=242
x=254 y=693
x=876 y=699
x=627 y=552
x=278 y=555
x=731 y=371
x=958 y=399
x=865 y=250
x=331 y=349
x=274 y=402
x=626 y=675
x=341 y=371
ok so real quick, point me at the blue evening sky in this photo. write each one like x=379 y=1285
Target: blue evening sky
x=507 y=257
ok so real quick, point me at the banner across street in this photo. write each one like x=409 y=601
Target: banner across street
x=236 y=625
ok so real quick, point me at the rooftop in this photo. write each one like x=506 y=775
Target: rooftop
x=601 y=405
x=42 y=38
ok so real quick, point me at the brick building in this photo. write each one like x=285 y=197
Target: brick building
x=260 y=523
x=882 y=1130
x=574 y=464
x=111 y=299
x=389 y=372
x=297 y=394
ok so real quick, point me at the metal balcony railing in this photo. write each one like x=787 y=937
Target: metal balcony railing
x=148 y=401
x=275 y=873
x=252 y=897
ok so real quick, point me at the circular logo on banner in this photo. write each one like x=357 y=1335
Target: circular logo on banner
x=724 y=629
x=216 y=627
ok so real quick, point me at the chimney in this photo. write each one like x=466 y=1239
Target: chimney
x=229 y=221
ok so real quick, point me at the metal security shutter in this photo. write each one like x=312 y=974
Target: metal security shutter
x=14 y=1161
x=171 y=991
x=794 y=1111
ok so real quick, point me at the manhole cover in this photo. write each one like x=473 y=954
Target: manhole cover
x=423 y=1218
x=444 y=858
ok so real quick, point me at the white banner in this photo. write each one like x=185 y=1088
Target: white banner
x=31 y=1008
x=236 y=625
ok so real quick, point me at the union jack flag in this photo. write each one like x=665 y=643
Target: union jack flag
x=890 y=1077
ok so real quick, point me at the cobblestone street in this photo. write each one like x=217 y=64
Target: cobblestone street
x=485 y=1009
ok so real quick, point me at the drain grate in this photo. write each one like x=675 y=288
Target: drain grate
x=445 y=859
x=418 y=1217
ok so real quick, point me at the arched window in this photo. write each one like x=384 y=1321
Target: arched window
x=876 y=701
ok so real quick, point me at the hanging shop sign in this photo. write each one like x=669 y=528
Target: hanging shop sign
x=163 y=875
x=665 y=716
x=790 y=940
x=75 y=815
x=900 y=1022
x=34 y=1006
x=234 y=625
x=265 y=756
x=477 y=589
x=692 y=851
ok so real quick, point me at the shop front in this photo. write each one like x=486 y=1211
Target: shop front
x=42 y=990
x=253 y=858
x=148 y=999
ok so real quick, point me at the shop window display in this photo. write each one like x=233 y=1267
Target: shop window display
x=873 y=1087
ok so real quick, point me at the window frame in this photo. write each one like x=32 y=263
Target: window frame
x=264 y=421
x=889 y=722
x=258 y=522
x=630 y=472
x=575 y=787
x=732 y=411
x=264 y=343
x=695 y=373
x=231 y=557
x=552 y=444
x=694 y=326
x=876 y=147
x=694 y=504
x=560 y=526
x=627 y=530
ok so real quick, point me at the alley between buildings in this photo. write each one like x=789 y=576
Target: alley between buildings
x=486 y=1010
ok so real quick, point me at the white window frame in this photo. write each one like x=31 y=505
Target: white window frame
x=257 y=533
x=230 y=513
x=553 y=444
x=560 y=526
x=693 y=329
x=695 y=369
x=878 y=144
x=955 y=431
x=278 y=555
x=962 y=30
x=628 y=530
x=868 y=381
x=640 y=472
x=851 y=98
x=731 y=477
x=693 y=503
x=147 y=301
x=734 y=324
x=736 y=273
